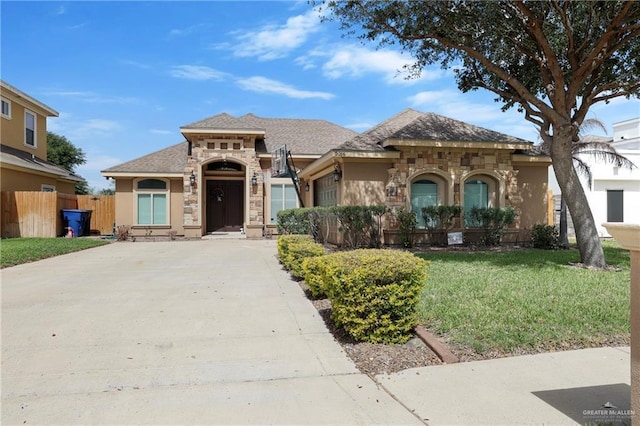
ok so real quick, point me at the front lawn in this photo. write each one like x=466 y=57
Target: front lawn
x=14 y=251
x=525 y=301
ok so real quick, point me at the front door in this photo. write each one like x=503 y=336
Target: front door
x=225 y=204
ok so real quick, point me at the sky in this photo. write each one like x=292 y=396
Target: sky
x=124 y=76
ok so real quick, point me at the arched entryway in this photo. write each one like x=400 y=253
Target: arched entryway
x=224 y=197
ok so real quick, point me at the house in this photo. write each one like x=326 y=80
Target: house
x=614 y=193
x=228 y=174
x=23 y=146
x=220 y=178
x=417 y=159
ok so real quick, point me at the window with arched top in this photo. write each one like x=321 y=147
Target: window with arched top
x=424 y=193
x=476 y=194
x=152 y=202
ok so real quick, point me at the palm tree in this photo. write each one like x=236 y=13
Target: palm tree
x=597 y=148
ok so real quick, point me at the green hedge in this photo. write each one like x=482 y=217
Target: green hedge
x=314 y=276
x=298 y=252
x=284 y=241
x=373 y=292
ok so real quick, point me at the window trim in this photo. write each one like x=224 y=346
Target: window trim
x=439 y=189
x=166 y=192
x=8 y=103
x=282 y=182
x=35 y=129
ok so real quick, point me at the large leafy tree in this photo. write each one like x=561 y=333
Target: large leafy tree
x=65 y=154
x=552 y=60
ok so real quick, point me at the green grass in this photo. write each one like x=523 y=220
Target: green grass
x=526 y=301
x=15 y=251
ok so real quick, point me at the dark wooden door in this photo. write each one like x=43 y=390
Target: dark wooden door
x=224 y=205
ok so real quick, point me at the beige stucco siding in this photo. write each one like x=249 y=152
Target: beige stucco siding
x=532 y=182
x=126 y=209
x=364 y=183
x=16 y=180
x=12 y=132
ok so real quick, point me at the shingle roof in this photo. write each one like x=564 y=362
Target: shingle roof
x=302 y=136
x=168 y=160
x=412 y=124
x=21 y=158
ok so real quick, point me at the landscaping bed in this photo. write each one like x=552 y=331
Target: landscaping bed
x=506 y=302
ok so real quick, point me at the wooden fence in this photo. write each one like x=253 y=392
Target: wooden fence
x=103 y=212
x=38 y=214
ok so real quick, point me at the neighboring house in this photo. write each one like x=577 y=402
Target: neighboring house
x=23 y=146
x=614 y=195
x=220 y=178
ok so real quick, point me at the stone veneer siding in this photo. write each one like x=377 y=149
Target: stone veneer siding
x=200 y=155
x=456 y=163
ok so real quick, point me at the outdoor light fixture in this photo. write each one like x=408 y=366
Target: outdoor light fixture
x=307 y=187
x=337 y=173
x=254 y=180
x=192 y=179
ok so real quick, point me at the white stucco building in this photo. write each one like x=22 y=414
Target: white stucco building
x=614 y=195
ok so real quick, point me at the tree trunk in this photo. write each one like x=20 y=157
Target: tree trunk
x=564 y=225
x=572 y=191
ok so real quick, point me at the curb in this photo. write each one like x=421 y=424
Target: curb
x=434 y=344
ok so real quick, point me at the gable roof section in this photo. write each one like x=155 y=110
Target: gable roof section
x=168 y=160
x=415 y=125
x=45 y=109
x=301 y=136
x=19 y=158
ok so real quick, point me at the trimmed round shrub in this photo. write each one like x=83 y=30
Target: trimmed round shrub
x=298 y=251
x=284 y=241
x=314 y=276
x=374 y=292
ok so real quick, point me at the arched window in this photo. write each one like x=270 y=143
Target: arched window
x=476 y=194
x=424 y=193
x=152 y=202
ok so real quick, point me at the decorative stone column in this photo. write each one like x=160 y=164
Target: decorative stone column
x=628 y=236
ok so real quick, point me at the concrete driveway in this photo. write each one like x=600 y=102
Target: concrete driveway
x=182 y=332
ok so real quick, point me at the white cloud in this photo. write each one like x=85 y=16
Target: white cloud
x=177 y=32
x=454 y=104
x=161 y=132
x=197 y=72
x=276 y=41
x=360 y=126
x=265 y=85
x=78 y=131
x=92 y=97
x=356 y=61
x=59 y=11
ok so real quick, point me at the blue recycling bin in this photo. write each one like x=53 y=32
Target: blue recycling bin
x=79 y=220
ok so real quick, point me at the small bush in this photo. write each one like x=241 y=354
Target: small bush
x=407 y=223
x=438 y=220
x=374 y=292
x=314 y=276
x=284 y=241
x=545 y=237
x=492 y=221
x=294 y=221
x=361 y=226
x=298 y=251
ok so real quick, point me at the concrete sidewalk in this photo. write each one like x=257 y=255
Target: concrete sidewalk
x=214 y=332
x=589 y=386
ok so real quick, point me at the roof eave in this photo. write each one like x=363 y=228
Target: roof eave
x=212 y=131
x=457 y=144
x=331 y=156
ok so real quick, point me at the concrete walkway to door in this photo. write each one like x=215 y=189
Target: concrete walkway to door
x=182 y=332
